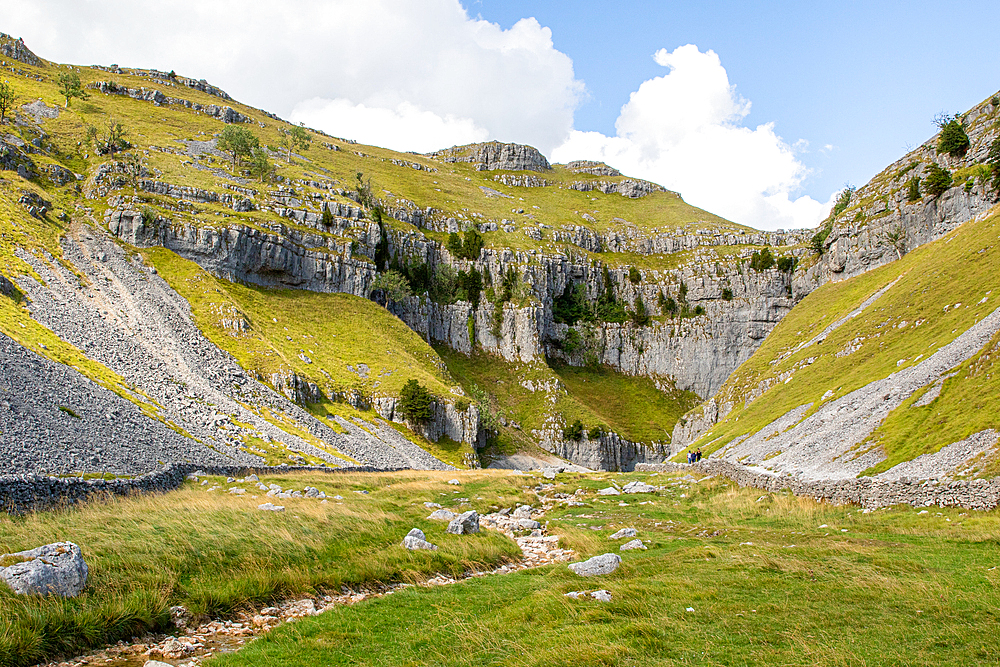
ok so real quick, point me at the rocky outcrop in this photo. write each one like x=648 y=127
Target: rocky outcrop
x=608 y=452
x=16 y=50
x=592 y=168
x=495 y=155
x=628 y=187
x=224 y=113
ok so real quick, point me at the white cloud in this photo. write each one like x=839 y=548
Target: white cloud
x=405 y=128
x=406 y=61
x=683 y=130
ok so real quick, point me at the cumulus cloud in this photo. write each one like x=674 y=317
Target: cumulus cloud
x=405 y=128
x=418 y=66
x=684 y=130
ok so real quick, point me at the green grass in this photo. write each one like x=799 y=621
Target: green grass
x=631 y=406
x=215 y=552
x=771 y=581
x=333 y=330
x=961 y=268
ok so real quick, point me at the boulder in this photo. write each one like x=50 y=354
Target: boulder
x=634 y=544
x=528 y=524
x=454 y=482
x=442 y=515
x=602 y=595
x=624 y=532
x=638 y=487
x=415 y=540
x=610 y=491
x=598 y=565
x=464 y=523
x=522 y=512
x=53 y=569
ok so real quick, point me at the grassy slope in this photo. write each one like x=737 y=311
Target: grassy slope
x=215 y=552
x=631 y=406
x=770 y=581
x=960 y=268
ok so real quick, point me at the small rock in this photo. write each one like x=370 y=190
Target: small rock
x=601 y=595
x=415 y=539
x=598 y=565
x=181 y=617
x=454 y=482
x=431 y=506
x=252 y=478
x=634 y=544
x=610 y=491
x=442 y=515
x=464 y=524
x=528 y=524
x=576 y=595
x=271 y=507
x=638 y=487
x=624 y=532
x=156 y=663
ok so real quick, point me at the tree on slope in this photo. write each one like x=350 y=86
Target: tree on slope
x=294 y=139
x=70 y=87
x=239 y=142
x=415 y=402
x=7 y=98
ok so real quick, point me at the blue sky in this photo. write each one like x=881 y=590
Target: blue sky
x=757 y=111
x=864 y=77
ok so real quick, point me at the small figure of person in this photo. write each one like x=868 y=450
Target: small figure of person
x=697 y=455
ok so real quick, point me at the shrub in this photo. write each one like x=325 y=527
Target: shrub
x=818 y=241
x=761 y=260
x=640 y=317
x=682 y=293
x=148 y=216
x=787 y=264
x=462 y=405
x=993 y=161
x=698 y=311
x=727 y=294
x=843 y=200
x=913 y=189
x=327 y=216
x=667 y=305
x=595 y=433
x=444 y=284
x=572 y=342
x=574 y=431
x=470 y=285
x=7 y=98
x=455 y=244
x=393 y=286
x=634 y=276
x=473 y=244
x=953 y=139
x=415 y=402
x=938 y=180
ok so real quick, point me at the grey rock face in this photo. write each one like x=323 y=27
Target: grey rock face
x=53 y=569
x=16 y=50
x=598 y=565
x=495 y=155
x=592 y=168
x=464 y=524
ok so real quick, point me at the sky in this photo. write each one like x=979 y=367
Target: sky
x=760 y=112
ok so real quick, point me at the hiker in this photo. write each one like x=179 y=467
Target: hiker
x=697 y=455
x=690 y=458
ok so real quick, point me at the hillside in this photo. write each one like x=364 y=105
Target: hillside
x=888 y=371
x=124 y=221
x=266 y=301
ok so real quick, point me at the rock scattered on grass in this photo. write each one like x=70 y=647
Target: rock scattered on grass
x=610 y=491
x=454 y=482
x=464 y=524
x=271 y=507
x=442 y=515
x=638 y=487
x=598 y=565
x=624 y=532
x=634 y=544
x=416 y=540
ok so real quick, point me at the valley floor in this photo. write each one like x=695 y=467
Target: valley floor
x=728 y=575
